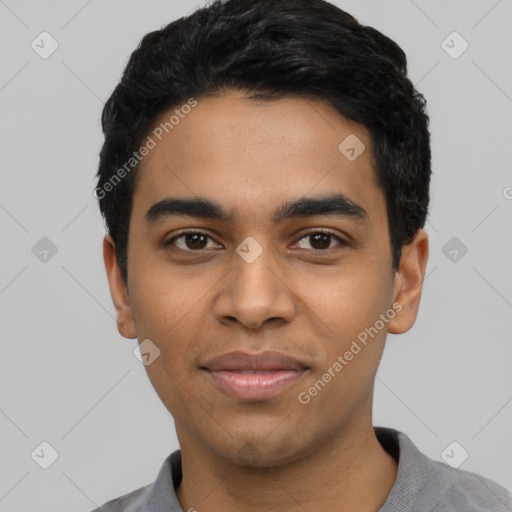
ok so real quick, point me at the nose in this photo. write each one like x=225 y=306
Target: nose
x=255 y=292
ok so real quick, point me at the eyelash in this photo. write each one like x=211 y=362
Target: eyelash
x=183 y=234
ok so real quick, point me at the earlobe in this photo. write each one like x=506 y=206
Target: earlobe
x=408 y=283
x=120 y=298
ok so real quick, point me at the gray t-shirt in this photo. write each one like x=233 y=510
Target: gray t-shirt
x=422 y=485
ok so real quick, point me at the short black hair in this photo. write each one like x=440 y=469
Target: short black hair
x=272 y=49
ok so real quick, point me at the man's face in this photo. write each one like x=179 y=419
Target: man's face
x=256 y=283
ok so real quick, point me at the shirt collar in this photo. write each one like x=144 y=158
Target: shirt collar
x=415 y=470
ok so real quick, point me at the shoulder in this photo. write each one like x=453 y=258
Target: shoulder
x=468 y=491
x=127 y=503
x=424 y=484
x=161 y=491
x=448 y=489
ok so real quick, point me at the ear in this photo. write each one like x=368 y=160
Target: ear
x=125 y=322
x=408 y=283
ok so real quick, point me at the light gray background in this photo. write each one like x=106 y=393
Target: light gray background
x=68 y=378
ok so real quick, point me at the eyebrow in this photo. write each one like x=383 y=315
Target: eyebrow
x=204 y=208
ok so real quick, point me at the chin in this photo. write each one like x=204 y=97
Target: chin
x=262 y=453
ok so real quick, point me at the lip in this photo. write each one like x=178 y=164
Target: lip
x=257 y=376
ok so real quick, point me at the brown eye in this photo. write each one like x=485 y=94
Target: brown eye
x=321 y=240
x=190 y=241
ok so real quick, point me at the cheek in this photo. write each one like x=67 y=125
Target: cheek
x=348 y=300
x=170 y=387
x=350 y=305
x=160 y=298
x=173 y=311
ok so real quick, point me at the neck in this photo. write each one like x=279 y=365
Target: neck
x=351 y=472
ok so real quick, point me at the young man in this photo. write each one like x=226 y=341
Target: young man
x=265 y=181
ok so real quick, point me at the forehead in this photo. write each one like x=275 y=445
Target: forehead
x=251 y=154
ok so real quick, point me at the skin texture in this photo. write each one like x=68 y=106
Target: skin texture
x=273 y=454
